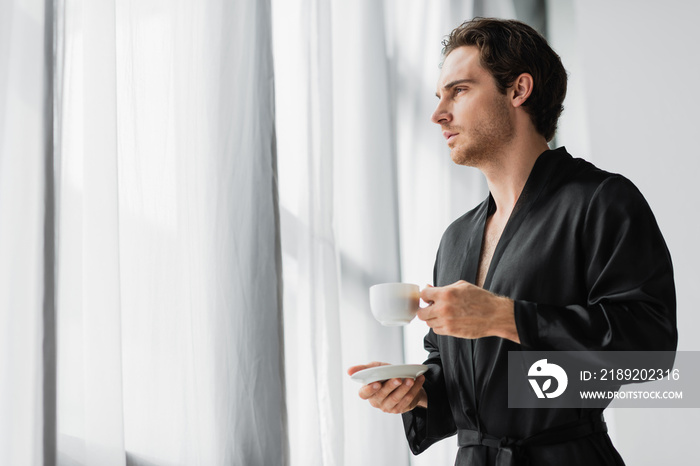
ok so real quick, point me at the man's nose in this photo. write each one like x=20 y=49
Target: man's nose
x=441 y=115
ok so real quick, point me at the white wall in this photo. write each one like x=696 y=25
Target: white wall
x=632 y=109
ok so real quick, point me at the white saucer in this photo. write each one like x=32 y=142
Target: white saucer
x=395 y=323
x=399 y=371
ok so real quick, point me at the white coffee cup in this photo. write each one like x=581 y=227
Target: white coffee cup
x=394 y=303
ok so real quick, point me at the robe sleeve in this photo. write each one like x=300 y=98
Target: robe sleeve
x=424 y=426
x=631 y=301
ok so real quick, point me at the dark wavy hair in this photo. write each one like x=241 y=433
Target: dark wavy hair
x=509 y=48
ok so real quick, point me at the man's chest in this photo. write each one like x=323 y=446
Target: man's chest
x=492 y=233
x=544 y=259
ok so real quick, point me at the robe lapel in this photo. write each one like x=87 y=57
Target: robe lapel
x=535 y=185
x=472 y=250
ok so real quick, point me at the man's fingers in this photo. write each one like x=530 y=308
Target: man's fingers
x=378 y=392
x=429 y=293
x=370 y=390
x=353 y=369
x=394 y=395
x=362 y=367
x=399 y=390
x=426 y=313
x=408 y=400
x=387 y=388
x=391 y=396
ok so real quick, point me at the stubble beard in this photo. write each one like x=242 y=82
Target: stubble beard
x=485 y=141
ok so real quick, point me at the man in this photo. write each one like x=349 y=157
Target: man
x=560 y=256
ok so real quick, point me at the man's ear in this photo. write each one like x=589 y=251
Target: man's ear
x=522 y=88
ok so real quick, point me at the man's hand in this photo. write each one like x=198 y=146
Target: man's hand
x=394 y=396
x=467 y=311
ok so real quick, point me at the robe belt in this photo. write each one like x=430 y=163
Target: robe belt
x=511 y=451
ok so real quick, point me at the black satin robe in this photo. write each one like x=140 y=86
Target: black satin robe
x=584 y=260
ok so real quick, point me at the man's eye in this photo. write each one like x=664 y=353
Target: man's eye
x=459 y=89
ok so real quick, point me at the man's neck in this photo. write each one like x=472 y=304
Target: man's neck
x=507 y=174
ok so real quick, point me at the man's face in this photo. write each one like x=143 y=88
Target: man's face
x=474 y=116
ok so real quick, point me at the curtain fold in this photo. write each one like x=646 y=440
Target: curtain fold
x=304 y=84
x=169 y=259
x=366 y=218
x=103 y=378
x=27 y=281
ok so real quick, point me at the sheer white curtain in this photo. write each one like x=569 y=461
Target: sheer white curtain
x=338 y=199
x=90 y=402
x=169 y=287
x=366 y=217
x=27 y=334
x=169 y=266
x=311 y=299
x=354 y=87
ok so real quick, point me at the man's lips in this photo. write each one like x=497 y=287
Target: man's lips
x=448 y=135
